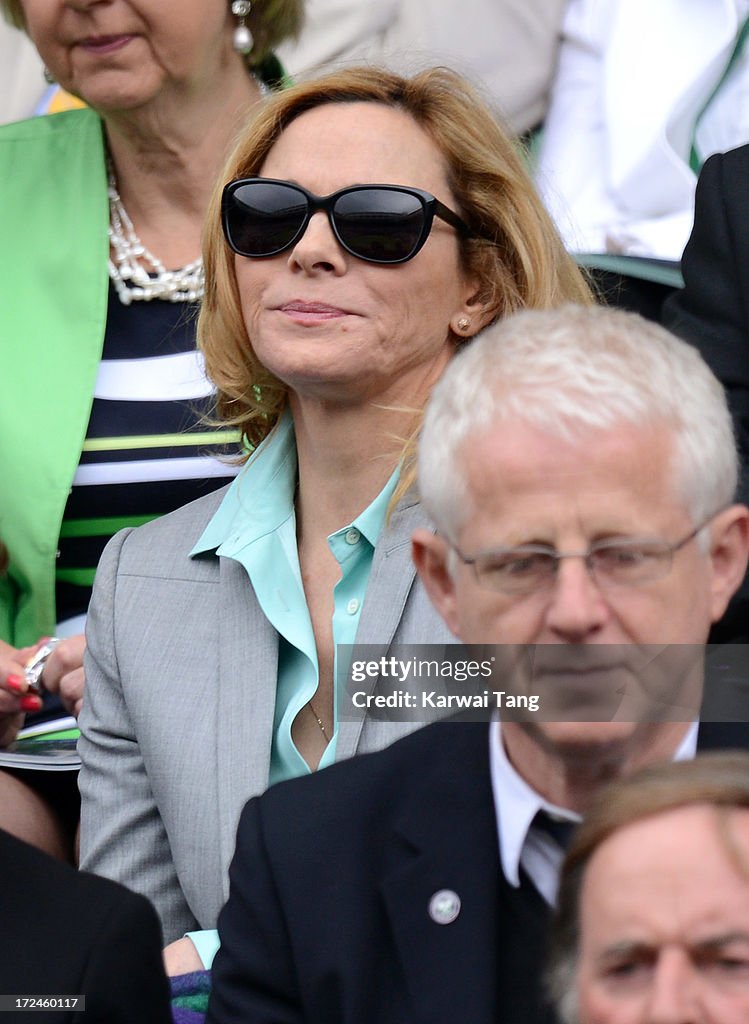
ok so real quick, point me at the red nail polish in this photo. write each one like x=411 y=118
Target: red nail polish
x=14 y=683
x=30 y=703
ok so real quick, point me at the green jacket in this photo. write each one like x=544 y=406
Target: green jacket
x=54 y=249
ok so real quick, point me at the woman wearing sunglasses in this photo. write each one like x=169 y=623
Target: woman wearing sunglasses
x=370 y=226
x=101 y=211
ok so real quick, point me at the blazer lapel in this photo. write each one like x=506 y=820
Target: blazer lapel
x=391 y=577
x=447 y=844
x=390 y=581
x=247 y=670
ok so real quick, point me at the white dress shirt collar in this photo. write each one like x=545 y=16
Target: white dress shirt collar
x=516 y=804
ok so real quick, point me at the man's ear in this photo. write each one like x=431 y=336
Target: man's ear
x=430 y=554
x=729 y=552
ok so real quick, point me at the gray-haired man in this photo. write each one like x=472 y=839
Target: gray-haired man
x=579 y=466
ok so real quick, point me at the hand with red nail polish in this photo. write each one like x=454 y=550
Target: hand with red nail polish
x=14 y=691
x=15 y=684
x=31 y=702
x=63 y=673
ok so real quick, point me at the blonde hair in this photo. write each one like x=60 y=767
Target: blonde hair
x=526 y=265
x=270 y=21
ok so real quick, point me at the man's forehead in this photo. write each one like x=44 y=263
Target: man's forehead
x=516 y=465
x=717 y=834
x=519 y=443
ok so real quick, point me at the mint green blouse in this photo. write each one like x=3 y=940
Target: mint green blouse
x=256 y=525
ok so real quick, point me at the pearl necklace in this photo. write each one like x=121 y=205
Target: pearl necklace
x=135 y=272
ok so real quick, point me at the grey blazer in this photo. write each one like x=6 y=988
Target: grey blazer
x=176 y=727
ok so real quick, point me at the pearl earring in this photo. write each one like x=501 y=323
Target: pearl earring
x=242 y=36
x=463 y=323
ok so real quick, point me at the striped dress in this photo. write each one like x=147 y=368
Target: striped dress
x=147 y=449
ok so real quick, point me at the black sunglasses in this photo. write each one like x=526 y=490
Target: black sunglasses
x=377 y=223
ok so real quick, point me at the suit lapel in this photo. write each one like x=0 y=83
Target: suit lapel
x=390 y=581
x=391 y=577
x=446 y=839
x=247 y=670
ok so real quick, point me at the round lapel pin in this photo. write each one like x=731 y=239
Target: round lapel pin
x=444 y=906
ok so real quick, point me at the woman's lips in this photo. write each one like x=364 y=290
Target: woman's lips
x=311 y=312
x=104 y=44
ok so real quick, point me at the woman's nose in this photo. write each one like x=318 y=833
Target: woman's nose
x=318 y=248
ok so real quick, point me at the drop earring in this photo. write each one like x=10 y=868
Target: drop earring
x=49 y=78
x=242 y=36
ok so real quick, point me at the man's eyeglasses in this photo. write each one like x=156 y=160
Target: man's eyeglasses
x=533 y=567
x=377 y=223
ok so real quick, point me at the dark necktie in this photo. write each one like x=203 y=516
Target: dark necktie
x=561 y=831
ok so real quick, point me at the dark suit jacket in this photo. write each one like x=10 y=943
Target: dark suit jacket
x=327 y=920
x=69 y=933
x=712 y=312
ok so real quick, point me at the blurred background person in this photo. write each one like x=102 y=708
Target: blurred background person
x=712 y=312
x=22 y=83
x=509 y=47
x=372 y=224
x=643 y=94
x=653 y=916
x=100 y=276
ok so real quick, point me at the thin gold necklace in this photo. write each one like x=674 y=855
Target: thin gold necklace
x=319 y=721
